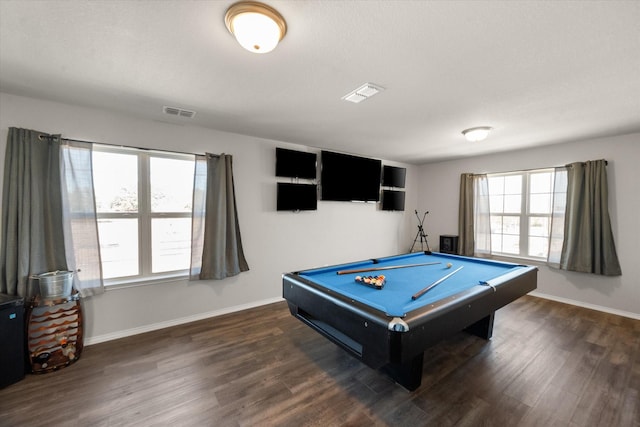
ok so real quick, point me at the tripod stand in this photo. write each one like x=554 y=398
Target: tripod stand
x=420 y=234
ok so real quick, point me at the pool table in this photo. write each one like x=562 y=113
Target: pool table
x=384 y=327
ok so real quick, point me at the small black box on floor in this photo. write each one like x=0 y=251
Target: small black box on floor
x=449 y=244
x=12 y=338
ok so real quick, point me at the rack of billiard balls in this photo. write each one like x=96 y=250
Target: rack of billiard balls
x=376 y=282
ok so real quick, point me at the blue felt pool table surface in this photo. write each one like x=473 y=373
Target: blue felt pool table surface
x=394 y=299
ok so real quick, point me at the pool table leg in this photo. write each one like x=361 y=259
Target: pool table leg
x=408 y=375
x=483 y=328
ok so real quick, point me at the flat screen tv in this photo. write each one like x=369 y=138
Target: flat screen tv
x=393 y=176
x=392 y=200
x=295 y=164
x=297 y=197
x=344 y=177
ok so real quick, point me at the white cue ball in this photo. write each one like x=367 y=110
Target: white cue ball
x=449 y=265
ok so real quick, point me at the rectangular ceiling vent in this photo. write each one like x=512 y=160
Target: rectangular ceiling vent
x=365 y=91
x=173 y=111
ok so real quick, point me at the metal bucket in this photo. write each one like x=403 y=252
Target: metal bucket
x=55 y=284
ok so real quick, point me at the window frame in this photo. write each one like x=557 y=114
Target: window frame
x=144 y=217
x=525 y=215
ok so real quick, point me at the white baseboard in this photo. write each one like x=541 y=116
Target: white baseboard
x=175 y=322
x=201 y=316
x=586 y=305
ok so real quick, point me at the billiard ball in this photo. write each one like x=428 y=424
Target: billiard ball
x=449 y=265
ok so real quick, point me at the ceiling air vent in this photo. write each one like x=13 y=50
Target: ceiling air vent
x=365 y=91
x=173 y=111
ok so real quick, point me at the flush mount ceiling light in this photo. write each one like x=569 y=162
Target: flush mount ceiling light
x=476 y=134
x=365 y=91
x=257 y=27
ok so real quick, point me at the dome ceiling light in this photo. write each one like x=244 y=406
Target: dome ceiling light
x=257 y=27
x=477 y=134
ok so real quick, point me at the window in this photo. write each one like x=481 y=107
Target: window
x=143 y=204
x=521 y=209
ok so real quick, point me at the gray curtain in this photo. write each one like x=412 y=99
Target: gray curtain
x=588 y=239
x=474 y=222
x=216 y=250
x=465 y=216
x=32 y=232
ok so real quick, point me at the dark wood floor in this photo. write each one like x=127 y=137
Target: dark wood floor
x=548 y=364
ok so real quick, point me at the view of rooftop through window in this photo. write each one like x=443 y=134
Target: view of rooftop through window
x=521 y=207
x=144 y=203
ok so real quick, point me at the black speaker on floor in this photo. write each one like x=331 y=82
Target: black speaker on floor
x=449 y=244
x=12 y=338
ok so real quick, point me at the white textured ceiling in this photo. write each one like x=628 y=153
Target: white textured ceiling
x=539 y=72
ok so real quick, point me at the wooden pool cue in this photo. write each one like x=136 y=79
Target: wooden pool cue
x=391 y=267
x=434 y=284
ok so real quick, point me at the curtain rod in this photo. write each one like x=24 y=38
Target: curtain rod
x=43 y=137
x=606 y=163
x=531 y=169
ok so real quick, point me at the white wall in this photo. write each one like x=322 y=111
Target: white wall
x=438 y=185
x=274 y=242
